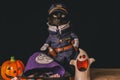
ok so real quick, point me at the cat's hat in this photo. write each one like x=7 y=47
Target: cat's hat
x=58 y=7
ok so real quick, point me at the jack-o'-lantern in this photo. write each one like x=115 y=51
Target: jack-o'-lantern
x=12 y=68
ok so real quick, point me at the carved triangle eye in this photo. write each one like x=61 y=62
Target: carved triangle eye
x=9 y=68
x=19 y=68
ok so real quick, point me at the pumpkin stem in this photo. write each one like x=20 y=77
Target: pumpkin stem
x=12 y=58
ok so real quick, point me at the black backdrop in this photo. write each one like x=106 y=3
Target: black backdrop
x=23 y=29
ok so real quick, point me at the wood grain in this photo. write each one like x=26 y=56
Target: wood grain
x=102 y=74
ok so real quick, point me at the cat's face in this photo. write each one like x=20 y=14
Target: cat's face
x=58 y=18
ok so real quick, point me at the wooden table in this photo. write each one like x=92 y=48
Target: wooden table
x=104 y=74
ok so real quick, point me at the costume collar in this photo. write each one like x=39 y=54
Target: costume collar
x=59 y=28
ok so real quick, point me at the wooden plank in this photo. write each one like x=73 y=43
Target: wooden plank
x=101 y=74
x=105 y=74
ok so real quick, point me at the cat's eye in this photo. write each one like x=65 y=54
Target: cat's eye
x=54 y=16
x=62 y=16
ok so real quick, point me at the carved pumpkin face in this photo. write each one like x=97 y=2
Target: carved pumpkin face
x=12 y=68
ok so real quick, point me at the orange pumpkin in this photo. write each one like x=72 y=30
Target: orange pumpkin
x=12 y=68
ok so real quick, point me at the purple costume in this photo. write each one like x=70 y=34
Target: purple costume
x=38 y=64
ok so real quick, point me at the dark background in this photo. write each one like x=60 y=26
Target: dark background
x=23 y=29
